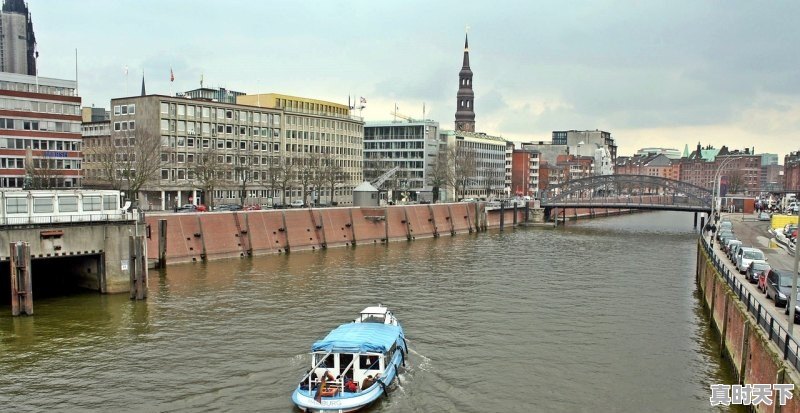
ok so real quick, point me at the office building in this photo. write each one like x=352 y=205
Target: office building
x=412 y=146
x=17 y=40
x=40 y=132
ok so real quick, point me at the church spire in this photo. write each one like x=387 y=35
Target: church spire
x=465 y=98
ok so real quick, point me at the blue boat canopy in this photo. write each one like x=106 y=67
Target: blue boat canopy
x=360 y=338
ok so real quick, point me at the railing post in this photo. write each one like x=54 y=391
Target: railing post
x=786 y=346
x=771 y=327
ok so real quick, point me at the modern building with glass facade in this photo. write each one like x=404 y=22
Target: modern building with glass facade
x=412 y=146
x=40 y=132
x=489 y=178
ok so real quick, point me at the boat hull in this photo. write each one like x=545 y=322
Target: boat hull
x=304 y=399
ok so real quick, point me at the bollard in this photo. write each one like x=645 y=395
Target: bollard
x=527 y=211
x=21 y=286
x=162 y=243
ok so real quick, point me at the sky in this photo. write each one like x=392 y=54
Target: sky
x=653 y=73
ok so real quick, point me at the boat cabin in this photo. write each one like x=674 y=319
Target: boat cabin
x=378 y=314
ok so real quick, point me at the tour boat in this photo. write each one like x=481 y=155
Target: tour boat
x=354 y=364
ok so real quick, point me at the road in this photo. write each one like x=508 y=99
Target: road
x=756 y=234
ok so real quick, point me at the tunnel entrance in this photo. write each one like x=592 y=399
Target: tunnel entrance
x=58 y=276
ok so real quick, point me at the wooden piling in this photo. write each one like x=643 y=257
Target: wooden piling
x=515 y=213
x=162 y=243
x=21 y=286
x=137 y=267
x=502 y=215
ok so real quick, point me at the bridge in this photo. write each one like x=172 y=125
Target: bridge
x=628 y=192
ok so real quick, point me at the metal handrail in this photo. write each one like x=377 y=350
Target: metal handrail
x=308 y=375
x=764 y=317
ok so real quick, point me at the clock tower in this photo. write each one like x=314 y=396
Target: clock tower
x=465 y=99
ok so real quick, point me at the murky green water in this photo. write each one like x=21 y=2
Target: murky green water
x=600 y=317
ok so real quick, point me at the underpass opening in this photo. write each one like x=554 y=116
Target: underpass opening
x=60 y=276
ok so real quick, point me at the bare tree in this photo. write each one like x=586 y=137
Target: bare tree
x=319 y=167
x=464 y=168
x=440 y=174
x=139 y=160
x=40 y=173
x=210 y=172
x=285 y=175
x=735 y=181
x=243 y=175
x=334 y=175
x=102 y=154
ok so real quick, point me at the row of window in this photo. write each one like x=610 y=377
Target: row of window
x=125 y=109
x=41 y=163
x=214 y=129
x=324 y=136
x=394 y=145
x=40 y=144
x=305 y=121
x=40 y=125
x=120 y=126
x=48 y=205
x=38 y=106
x=56 y=182
x=205 y=112
x=34 y=88
x=181 y=141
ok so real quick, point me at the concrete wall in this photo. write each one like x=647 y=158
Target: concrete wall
x=208 y=236
x=743 y=343
x=109 y=241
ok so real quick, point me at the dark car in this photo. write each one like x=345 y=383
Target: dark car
x=755 y=270
x=779 y=286
x=724 y=232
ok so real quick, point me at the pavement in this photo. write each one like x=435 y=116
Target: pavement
x=754 y=233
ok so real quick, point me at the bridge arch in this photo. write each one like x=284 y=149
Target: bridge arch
x=628 y=191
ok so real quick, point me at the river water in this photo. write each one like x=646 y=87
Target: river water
x=602 y=316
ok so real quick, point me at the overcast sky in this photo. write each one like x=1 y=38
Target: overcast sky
x=653 y=73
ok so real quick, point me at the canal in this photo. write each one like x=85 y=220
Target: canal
x=601 y=316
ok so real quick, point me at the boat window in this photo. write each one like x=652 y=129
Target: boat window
x=326 y=363
x=373 y=318
x=369 y=362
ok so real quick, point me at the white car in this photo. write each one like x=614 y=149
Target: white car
x=746 y=255
x=297 y=203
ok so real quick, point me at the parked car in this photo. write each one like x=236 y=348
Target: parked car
x=796 y=313
x=724 y=238
x=278 y=205
x=764 y=216
x=755 y=269
x=254 y=207
x=731 y=247
x=778 y=286
x=187 y=208
x=724 y=232
x=745 y=255
x=297 y=203
x=730 y=242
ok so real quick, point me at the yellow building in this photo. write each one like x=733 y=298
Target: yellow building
x=317 y=128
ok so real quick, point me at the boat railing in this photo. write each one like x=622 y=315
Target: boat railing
x=346 y=369
x=308 y=375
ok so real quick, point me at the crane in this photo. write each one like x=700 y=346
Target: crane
x=407 y=118
x=381 y=179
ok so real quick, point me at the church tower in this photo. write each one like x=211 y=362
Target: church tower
x=465 y=113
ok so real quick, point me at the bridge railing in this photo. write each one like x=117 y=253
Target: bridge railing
x=67 y=218
x=632 y=200
x=764 y=317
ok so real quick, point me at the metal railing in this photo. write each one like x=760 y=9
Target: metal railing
x=768 y=322
x=66 y=219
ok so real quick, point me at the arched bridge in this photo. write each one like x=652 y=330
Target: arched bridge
x=629 y=192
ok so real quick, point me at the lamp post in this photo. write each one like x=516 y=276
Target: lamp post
x=717 y=183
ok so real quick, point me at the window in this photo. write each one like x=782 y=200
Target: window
x=131 y=125
x=131 y=109
x=206 y=113
x=181 y=110
x=117 y=126
x=190 y=111
x=164 y=125
x=68 y=204
x=17 y=205
x=91 y=203
x=124 y=109
x=164 y=108
x=109 y=202
x=43 y=205
x=117 y=110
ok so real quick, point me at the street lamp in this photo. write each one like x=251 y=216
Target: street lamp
x=717 y=183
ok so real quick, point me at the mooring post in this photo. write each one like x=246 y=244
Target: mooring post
x=695 y=220
x=515 y=213
x=162 y=243
x=502 y=214
x=527 y=211
x=138 y=268
x=21 y=287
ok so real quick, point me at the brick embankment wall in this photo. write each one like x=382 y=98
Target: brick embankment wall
x=206 y=236
x=754 y=359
